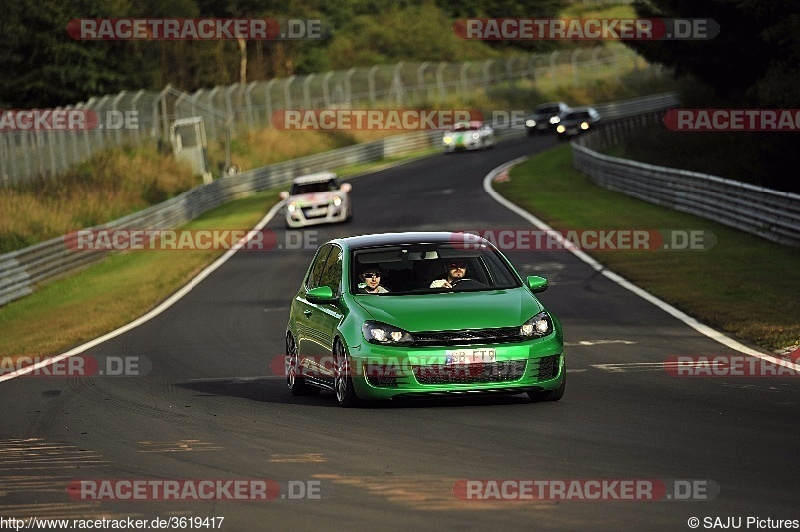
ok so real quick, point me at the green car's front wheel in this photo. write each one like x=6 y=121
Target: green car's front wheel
x=550 y=395
x=343 y=379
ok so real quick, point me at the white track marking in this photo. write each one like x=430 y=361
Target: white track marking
x=635 y=366
x=598 y=342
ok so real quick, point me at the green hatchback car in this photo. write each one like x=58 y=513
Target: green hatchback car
x=420 y=315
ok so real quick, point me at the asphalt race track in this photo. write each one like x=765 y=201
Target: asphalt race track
x=209 y=405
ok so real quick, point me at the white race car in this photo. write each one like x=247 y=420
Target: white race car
x=474 y=135
x=317 y=199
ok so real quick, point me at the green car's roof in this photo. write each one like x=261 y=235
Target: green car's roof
x=389 y=239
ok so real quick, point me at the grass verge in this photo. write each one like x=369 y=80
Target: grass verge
x=744 y=286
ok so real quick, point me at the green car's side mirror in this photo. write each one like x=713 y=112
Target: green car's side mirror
x=536 y=283
x=321 y=294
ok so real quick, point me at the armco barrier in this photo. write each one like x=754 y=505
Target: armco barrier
x=26 y=269
x=770 y=214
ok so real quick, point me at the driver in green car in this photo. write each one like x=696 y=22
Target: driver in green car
x=455 y=270
x=371 y=282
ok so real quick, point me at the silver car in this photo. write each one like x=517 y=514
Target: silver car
x=317 y=199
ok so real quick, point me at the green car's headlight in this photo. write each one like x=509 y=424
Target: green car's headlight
x=536 y=327
x=376 y=332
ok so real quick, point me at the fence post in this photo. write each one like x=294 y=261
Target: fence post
x=348 y=87
x=397 y=85
x=307 y=92
x=114 y=107
x=486 y=66
x=213 y=133
x=134 y=101
x=371 y=85
x=421 y=80
x=268 y=97
x=248 y=101
x=228 y=102
x=287 y=97
x=162 y=99
x=326 y=93
x=440 y=80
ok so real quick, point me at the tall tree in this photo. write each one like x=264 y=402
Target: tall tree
x=755 y=58
x=43 y=66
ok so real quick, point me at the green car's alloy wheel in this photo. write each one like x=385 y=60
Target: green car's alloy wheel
x=296 y=384
x=345 y=393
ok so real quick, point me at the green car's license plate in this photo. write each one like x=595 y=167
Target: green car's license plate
x=469 y=356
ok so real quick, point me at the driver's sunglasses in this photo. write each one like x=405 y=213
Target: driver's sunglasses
x=459 y=265
x=370 y=275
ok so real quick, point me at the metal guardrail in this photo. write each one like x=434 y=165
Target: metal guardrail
x=23 y=271
x=770 y=214
x=636 y=106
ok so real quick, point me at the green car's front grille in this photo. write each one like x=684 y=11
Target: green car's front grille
x=468 y=336
x=382 y=381
x=470 y=373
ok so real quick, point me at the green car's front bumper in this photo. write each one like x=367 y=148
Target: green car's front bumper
x=386 y=372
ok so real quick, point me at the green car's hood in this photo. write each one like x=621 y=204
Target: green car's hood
x=452 y=311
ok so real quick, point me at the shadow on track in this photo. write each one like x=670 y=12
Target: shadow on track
x=273 y=390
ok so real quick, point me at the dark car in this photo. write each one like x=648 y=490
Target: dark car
x=577 y=121
x=545 y=117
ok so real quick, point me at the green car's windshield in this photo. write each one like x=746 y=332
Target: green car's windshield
x=429 y=268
